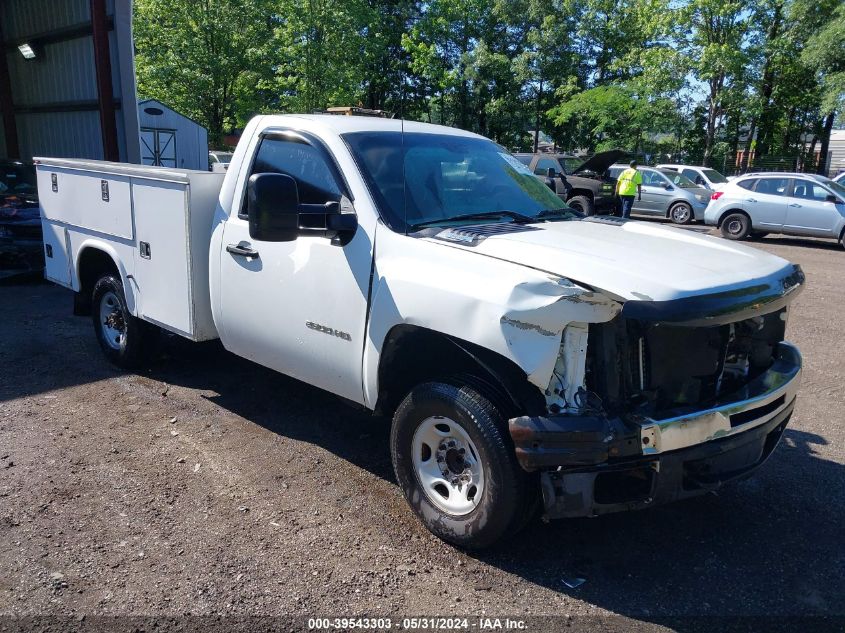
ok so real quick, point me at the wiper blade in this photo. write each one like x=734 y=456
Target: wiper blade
x=487 y=215
x=565 y=212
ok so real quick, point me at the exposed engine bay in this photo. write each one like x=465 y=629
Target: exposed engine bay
x=659 y=370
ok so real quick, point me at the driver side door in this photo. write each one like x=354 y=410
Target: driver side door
x=654 y=195
x=298 y=307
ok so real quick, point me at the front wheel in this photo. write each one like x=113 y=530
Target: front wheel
x=681 y=213
x=456 y=466
x=126 y=341
x=583 y=204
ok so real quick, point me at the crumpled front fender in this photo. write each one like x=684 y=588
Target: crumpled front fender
x=513 y=310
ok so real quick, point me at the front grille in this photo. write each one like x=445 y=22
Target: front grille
x=654 y=368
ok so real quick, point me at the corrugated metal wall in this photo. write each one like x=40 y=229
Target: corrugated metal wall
x=55 y=95
x=191 y=137
x=837 y=152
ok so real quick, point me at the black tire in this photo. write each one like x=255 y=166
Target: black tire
x=583 y=204
x=735 y=226
x=681 y=213
x=842 y=239
x=508 y=494
x=137 y=339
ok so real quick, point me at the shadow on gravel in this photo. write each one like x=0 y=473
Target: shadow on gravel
x=278 y=403
x=818 y=243
x=770 y=545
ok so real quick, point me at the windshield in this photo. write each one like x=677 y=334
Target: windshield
x=16 y=179
x=570 y=163
x=836 y=186
x=713 y=175
x=677 y=179
x=447 y=176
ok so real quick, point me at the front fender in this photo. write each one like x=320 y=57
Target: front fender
x=512 y=310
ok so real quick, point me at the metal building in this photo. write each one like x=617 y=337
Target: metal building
x=170 y=139
x=67 y=80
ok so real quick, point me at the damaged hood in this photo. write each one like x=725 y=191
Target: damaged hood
x=631 y=260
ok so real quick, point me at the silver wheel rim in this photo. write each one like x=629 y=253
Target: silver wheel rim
x=734 y=227
x=112 y=323
x=680 y=214
x=448 y=466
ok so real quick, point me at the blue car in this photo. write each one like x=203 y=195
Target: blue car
x=21 y=245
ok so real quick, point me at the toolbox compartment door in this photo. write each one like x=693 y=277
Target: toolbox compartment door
x=96 y=201
x=162 y=254
x=56 y=249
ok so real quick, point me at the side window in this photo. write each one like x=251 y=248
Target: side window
x=748 y=183
x=772 y=186
x=653 y=179
x=542 y=166
x=525 y=159
x=808 y=190
x=303 y=162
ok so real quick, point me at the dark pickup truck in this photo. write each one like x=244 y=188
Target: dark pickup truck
x=583 y=184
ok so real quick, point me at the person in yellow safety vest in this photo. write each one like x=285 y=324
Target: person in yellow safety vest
x=628 y=185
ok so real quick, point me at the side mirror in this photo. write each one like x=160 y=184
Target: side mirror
x=668 y=187
x=551 y=172
x=273 y=207
x=831 y=198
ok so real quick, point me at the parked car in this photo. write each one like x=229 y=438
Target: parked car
x=219 y=161
x=701 y=176
x=776 y=202
x=529 y=356
x=583 y=184
x=668 y=194
x=840 y=178
x=20 y=220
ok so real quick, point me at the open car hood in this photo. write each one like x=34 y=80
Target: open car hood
x=601 y=162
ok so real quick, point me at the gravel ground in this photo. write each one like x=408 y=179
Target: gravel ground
x=209 y=485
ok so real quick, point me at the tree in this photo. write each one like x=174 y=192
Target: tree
x=825 y=51
x=193 y=54
x=716 y=50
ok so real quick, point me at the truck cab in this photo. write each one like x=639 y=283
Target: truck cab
x=529 y=356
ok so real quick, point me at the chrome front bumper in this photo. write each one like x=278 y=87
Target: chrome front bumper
x=589 y=465
x=759 y=401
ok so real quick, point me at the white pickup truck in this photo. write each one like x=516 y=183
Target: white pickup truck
x=529 y=356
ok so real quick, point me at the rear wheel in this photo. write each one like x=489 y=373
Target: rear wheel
x=583 y=204
x=126 y=341
x=736 y=226
x=681 y=213
x=456 y=465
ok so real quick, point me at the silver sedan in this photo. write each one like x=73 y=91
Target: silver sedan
x=668 y=194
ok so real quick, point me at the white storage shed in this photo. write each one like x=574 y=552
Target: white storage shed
x=170 y=139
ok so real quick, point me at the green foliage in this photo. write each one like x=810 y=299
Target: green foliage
x=198 y=55
x=825 y=51
x=688 y=78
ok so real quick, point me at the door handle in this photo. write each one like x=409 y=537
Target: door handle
x=794 y=204
x=750 y=200
x=243 y=251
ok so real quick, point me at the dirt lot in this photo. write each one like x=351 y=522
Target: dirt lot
x=209 y=485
